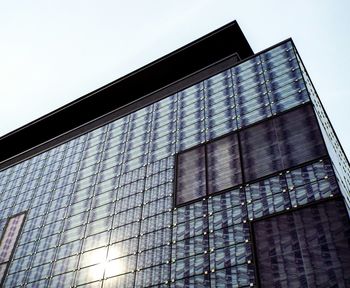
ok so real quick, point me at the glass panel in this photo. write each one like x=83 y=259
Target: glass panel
x=224 y=165
x=152 y=276
x=191 y=175
x=299 y=136
x=280 y=143
x=195 y=265
x=236 y=276
x=198 y=281
x=260 y=152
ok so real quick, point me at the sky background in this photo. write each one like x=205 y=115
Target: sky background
x=53 y=52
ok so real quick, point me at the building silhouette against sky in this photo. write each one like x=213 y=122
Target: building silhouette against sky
x=210 y=167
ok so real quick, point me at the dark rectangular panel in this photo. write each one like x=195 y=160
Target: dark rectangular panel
x=191 y=176
x=287 y=140
x=299 y=136
x=260 y=151
x=224 y=165
x=305 y=248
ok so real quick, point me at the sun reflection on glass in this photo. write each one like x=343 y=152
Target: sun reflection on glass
x=107 y=266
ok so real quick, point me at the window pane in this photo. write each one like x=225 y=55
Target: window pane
x=191 y=175
x=280 y=143
x=224 y=165
x=260 y=151
x=299 y=136
x=305 y=248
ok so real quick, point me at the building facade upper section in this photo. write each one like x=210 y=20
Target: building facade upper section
x=259 y=88
x=224 y=46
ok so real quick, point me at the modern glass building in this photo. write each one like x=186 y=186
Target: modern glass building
x=210 y=167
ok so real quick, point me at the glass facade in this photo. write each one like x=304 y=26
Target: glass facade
x=178 y=193
x=339 y=161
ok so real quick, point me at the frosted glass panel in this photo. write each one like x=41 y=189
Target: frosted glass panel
x=224 y=164
x=191 y=183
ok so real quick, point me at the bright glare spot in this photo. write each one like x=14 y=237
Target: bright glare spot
x=114 y=252
x=115 y=267
x=104 y=265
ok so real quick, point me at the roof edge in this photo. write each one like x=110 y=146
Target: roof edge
x=188 y=59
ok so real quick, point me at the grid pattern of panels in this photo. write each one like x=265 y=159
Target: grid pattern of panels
x=105 y=199
x=305 y=248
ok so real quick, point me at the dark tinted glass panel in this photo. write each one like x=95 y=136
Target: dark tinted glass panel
x=280 y=143
x=191 y=175
x=260 y=151
x=224 y=165
x=305 y=248
x=299 y=136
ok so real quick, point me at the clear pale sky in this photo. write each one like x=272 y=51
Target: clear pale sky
x=52 y=52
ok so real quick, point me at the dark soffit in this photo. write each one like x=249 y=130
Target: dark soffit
x=188 y=59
